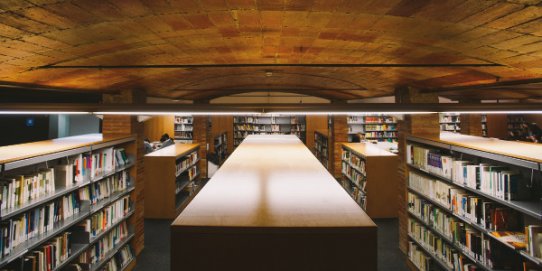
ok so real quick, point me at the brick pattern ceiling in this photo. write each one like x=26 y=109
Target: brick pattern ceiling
x=36 y=33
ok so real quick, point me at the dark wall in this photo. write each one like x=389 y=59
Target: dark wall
x=21 y=129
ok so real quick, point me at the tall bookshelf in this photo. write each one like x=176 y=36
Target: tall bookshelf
x=172 y=179
x=484 y=125
x=368 y=174
x=514 y=124
x=184 y=128
x=372 y=128
x=321 y=148
x=221 y=147
x=478 y=200
x=450 y=122
x=61 y=188
x=244 y=126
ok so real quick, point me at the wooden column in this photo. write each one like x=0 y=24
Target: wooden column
x=471 y=124
x=202 y=136
x=314 y=123
x=339 y=135
x=128 y=125
x=426 y=125
x=219 y=125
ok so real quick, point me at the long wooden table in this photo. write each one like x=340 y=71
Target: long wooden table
x=273 y=206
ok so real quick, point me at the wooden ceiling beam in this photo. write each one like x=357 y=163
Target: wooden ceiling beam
x=514 y=85
x=321 y=93
x=305 y=65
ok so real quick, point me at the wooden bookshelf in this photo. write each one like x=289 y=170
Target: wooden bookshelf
x=94 y=161
x=251 y=213
x=220 y=147
x=476 y=207
x=321 y=148
x=183 y=126
x=244 y=126
x=369 y=175
x=169 y=186
x=450 y=122
x=372 y=128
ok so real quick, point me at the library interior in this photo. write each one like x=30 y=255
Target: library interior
x=272 y=135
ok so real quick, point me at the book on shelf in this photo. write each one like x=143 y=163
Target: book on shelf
x=533 y=240
x=98 y=250
x=19 y=190
x=120 y=260
x=103 y=189
x=50 y=255
x=514 y=239
x=107 y=216
x=497 y=181
x=37 y=221
x=459 y=234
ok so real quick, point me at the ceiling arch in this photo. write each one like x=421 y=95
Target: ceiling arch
x=135 y=32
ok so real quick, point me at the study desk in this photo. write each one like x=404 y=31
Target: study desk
x=273 y=206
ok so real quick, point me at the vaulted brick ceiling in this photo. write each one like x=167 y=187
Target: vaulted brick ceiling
x=35 y=33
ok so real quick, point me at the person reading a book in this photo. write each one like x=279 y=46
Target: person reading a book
x=166 y=140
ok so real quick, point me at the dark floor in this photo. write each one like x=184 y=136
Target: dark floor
x=155 y=256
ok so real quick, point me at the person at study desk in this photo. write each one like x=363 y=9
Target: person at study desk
x=533 y=133
x=166 y=140
x=148 y=146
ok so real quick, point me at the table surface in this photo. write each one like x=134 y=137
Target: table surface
x=516 y=149
x=28 y=150
x=273 y=181
x=175 y=150
x=367 y=149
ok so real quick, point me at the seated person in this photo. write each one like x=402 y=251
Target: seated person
x=148 y=146
x=166 y=140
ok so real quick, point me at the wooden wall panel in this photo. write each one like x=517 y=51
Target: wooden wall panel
x=157 y=126
x=536 y=118
x=471 y=124
x=315 y=123
x=219 y=125
x=497 y=126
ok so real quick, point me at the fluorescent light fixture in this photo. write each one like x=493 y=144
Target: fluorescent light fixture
x=349 y=113
x=493 y=112
x=43 y=113
x=175 y=113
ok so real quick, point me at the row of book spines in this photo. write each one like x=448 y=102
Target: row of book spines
x=457 y=230
x=486 y=216
x=476 y=246
x=461 y=234
x=354 y=175
x=18 y=190
x=187 y=160
x=103 y=189
x=441 y=250
x=485 y=213
x=99 y=250
x=432 y=242
x=106 y=217
x=50 y=255
x=354 y=160
x=497 y=181
x=360 y=169
x=37 y=221
x=120 y=260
